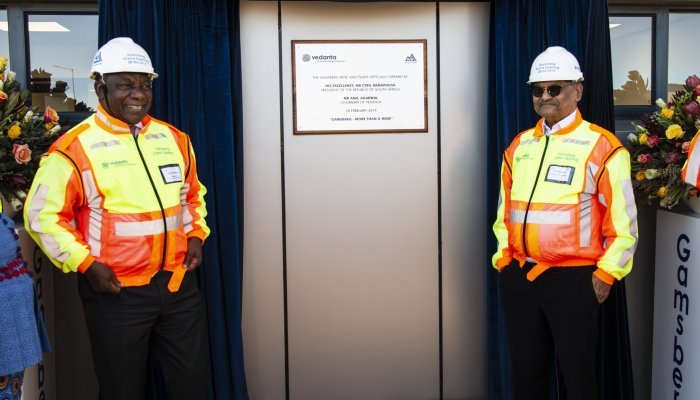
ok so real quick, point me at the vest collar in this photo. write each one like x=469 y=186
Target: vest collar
x=539 y=132
x=113 y=125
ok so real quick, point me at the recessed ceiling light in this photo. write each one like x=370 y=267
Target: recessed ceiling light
x=39 y=27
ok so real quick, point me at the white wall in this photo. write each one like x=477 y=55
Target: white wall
x=362 y=218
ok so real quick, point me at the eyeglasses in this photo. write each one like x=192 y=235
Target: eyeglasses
x=553 y=90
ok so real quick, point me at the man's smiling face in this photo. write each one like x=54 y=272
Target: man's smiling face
x=126 y=96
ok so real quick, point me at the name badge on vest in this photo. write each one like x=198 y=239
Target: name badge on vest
x=171 y=173
x=560 y=174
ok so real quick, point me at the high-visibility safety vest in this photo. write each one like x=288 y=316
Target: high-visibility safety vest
x=566 y=200
x=691 y=169
x=129 y=202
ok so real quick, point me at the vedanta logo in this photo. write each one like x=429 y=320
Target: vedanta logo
x=411 y=58
x=323 y=58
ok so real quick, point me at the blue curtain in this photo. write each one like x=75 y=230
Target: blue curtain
x=520 y=30
x=195 y=47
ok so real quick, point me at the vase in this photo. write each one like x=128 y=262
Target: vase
x=694 y=204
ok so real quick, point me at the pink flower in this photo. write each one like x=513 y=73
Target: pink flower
x=643 y=158
x=674 y=157
x=696 y=91
x=692 y=81
x=652 y=140
x=685 y=147
x=691 y=108
x=50 y=116
x=22 y=153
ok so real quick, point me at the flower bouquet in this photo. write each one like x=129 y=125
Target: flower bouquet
x=659 y=147
x=25 y=135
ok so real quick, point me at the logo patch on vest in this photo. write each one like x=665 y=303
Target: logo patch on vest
x=115 y=164
x=560 y=174
x=171 y=173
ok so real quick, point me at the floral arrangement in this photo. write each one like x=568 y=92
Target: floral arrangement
x=25 y=135
x=659 y=147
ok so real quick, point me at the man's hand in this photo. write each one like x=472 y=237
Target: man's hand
x=102 y=279
x=602 y=289
x=194 y=253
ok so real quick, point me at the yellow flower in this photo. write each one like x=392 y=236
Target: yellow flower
x=643 y=139
x=14 y=131
x=661 y=192
x=3 y=62
x=640 y=176
x=49 y=126
x=674 y=132
x=667 y=113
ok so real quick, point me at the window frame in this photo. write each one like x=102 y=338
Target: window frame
x=4 y=7
x=625 y=115
x=660 y=45
x=632 y=110
x=675 y=10
x=18 y=38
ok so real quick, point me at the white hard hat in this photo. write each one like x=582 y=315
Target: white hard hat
x=121 y=55
x=555 y=64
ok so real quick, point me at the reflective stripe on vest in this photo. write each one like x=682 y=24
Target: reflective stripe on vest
x=144 y=228
x=541 y=217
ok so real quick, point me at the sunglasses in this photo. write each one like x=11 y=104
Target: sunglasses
x=553 y=90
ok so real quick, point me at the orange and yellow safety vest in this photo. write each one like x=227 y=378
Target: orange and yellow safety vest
x=691 y=168
x=566 y=200
x=127 y=201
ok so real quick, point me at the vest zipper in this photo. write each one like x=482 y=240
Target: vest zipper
x=527 y=209
x=160 y=204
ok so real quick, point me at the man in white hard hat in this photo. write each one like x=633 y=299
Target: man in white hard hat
x=118 y=200
x=566 y=229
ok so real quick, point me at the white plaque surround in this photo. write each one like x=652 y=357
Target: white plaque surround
x=359 y=86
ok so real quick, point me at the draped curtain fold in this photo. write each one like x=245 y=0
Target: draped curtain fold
x=195 y=48
x=520 y=30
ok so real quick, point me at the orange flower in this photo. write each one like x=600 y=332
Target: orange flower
x=3 y=96
x=50 y=115
x=640 y=176
x=661 y=192
x=22 y=153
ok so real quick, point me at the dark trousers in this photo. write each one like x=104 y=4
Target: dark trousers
x=555 y=314
x=148 y=326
